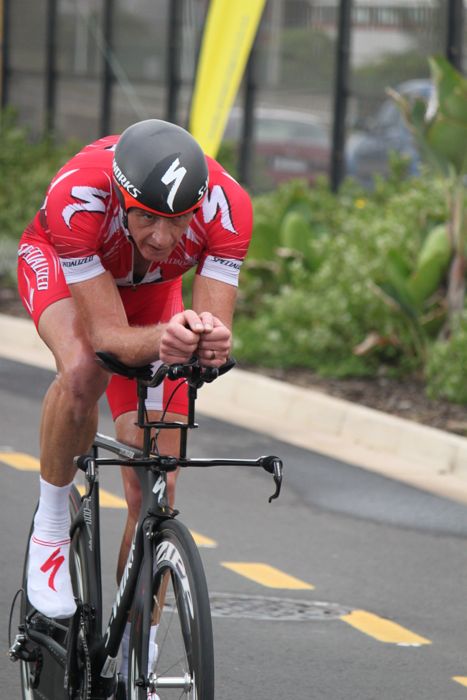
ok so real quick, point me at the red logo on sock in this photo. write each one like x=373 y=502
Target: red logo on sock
x=54 y=562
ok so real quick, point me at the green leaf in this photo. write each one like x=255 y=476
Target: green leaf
x=448 y=140
x=394 y=285
x=297 y=234
x=397 y=266
x=432 y=265
x=295 y=231
x=436 y=245
x=451 y=88
x=264 y=240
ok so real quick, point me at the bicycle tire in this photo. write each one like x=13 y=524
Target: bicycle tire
x=184 y=637
x=51 y=678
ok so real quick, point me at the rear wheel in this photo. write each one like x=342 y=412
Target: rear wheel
x=180 y=665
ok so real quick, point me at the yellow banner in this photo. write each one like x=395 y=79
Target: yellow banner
x=228 y=36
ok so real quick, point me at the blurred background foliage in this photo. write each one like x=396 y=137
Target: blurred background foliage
x=347 y=284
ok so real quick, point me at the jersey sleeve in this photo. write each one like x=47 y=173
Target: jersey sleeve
x=227 y=217
x=76 y=212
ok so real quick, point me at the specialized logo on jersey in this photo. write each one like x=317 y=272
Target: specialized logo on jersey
x=54 y=562
x=91 y=199
x=175 y=174
x=125 y=182
x=36 y=260
x=216 y=201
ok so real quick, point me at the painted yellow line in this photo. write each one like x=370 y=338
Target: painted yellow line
x=383 y=630
x=267 y=575
x=202 y=540
x=109 y=500
x=19 y=460
x=106 y=499
x=460 y=679
x=25 y=462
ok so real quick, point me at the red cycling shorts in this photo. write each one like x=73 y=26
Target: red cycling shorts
x=41 y=283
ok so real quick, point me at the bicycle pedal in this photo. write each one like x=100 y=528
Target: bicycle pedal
x=23 y=649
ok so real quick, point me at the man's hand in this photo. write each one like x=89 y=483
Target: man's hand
x=188 y=333
x=215 y=341
x=181 y=336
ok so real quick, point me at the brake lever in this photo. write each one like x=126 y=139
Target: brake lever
x=273 y=465
x=277 y=479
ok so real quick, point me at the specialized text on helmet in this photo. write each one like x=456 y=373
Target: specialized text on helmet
x=124 y=181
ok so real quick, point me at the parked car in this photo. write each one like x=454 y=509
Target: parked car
x=286 y=144
x=367 y=149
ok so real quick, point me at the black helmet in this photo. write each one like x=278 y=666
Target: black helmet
x=159 y=167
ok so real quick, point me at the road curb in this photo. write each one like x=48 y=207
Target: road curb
x=400 y=449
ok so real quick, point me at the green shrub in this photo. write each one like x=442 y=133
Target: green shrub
x=27 y=167
x=445 y=368
x=297 y=311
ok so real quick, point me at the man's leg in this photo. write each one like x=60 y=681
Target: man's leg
x=68 y=425
x=168 y=443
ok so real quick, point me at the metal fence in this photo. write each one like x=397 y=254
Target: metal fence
x=314 y=88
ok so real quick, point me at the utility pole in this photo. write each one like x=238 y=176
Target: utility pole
x=455 y=33
x=50 y=67
x=341 y=93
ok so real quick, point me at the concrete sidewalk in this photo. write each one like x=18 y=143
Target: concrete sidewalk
x=400 y=449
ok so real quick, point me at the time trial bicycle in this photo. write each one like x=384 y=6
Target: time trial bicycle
x=163 y=582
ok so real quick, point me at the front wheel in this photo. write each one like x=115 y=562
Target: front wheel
x=179 y=662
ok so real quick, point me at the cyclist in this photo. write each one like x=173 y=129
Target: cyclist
x=100 y=268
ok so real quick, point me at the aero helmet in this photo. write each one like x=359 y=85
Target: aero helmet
x=159 y=167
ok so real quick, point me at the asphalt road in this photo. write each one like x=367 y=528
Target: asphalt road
x=363 y=551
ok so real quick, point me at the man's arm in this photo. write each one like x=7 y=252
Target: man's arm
x=211 y=297
x=216 y=297
x=103 y=315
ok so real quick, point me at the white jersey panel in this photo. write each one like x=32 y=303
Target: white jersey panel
x=80 y=269
x=223 y=269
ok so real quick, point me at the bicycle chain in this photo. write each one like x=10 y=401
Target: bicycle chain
x=87 y=662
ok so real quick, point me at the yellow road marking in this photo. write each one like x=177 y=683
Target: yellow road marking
x=19 y=460
x=460 y=679
x=383 y=630
x=267 y=575
x=106 y=499
x=109 y=500
x=25 y=462
x=202 y=540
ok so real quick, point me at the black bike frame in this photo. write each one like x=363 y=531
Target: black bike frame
x=104 y=646
x=152 y=471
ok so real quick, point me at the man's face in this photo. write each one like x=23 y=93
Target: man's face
x=156 y=237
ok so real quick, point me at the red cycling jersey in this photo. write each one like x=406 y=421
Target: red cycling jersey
x=81 y=217
x=79 y=233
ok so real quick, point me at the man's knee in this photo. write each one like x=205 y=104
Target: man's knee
x=83 y=381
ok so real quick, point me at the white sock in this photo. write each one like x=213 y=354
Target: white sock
x=52 y=519
x=49 y=583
